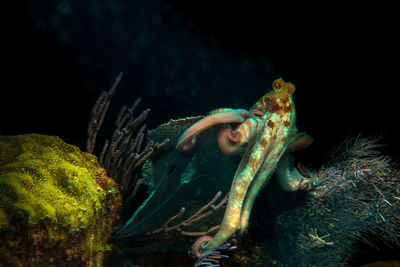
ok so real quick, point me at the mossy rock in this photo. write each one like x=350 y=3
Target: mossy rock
x=56 y=203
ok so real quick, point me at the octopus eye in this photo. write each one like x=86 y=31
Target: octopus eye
x=277 y=85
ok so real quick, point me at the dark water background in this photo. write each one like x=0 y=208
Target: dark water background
x=189 y=58
x=185 y=58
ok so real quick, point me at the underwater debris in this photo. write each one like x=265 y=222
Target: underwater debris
x=56 y=203
x=356 y=194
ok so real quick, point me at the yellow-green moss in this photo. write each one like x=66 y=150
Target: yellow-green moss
x=56 y=182
x=50 y=184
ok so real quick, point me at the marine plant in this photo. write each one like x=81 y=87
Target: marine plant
x=58 y=204
x=357 y=196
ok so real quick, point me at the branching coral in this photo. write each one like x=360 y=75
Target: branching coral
x=123 y=155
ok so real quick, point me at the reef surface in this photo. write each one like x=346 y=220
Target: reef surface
x=57 y=203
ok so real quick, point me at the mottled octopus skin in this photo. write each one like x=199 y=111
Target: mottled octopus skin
x=267 y=129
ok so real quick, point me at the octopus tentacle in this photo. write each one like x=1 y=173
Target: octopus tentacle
x=186 y=141
x=289 y=177
x=248 y=167
x=199 y=244
x=231 y=141
x=264 y=173
x=299 y=141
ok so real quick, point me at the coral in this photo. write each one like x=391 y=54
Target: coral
x=57 y=204
x=122 y=156
x=356 y=196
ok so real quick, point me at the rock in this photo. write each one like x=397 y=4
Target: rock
x=57 y=204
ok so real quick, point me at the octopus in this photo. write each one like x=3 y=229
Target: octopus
x=266 y=135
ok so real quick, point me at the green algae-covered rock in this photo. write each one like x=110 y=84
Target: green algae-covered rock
x=56 y=203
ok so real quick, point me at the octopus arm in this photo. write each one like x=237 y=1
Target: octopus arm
x=186 y=141
x=232 y=141
x=289 y=177
x=299 y=141
x=268 y=166
x=248 y=167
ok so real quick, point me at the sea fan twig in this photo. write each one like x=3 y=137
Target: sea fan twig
x=202 y=213
x=123 y=155
x=98 y=113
